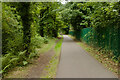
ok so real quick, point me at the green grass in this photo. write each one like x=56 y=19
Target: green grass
x=53 y=64
x=47 y=47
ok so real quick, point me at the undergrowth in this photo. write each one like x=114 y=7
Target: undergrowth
x=12 y=60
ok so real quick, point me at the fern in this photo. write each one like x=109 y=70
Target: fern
x=21 y=55
x=14 y=61
x=6 y=67
x=6 y=59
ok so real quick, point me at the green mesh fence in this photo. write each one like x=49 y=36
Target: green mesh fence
x=76 y=34
x=107 y=38
x=71 y=33
x=85 y=34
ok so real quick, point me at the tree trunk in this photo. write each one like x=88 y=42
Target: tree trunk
x=26 y=22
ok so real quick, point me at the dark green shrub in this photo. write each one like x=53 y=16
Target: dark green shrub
x=46 y=40
x=12 y=38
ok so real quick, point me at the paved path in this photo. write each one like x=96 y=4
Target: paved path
x=77 y=63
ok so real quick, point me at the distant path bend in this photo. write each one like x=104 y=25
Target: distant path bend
x=77 y=63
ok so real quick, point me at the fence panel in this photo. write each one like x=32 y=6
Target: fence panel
x=103 y=37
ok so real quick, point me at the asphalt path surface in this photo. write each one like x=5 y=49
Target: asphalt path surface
x=77 y=63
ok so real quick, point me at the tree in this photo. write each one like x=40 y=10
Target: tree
x=24 y=11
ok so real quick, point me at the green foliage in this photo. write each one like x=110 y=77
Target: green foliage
x=45 y=40
x=6 y=59
x=50 y=22
x=21 y=55
x=33 y=54
x=12 y=30
x=105 y=20
x=10 y=60
x=25 y=63
x=22 y=24
x=25 y=13
x=37 y=41
x=27 y=26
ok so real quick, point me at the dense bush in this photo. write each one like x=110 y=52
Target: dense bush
x=12 y=34
x=38 y=41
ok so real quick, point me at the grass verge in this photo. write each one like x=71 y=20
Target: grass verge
x=53 y=64
x=105 y=59
x=46 y=47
